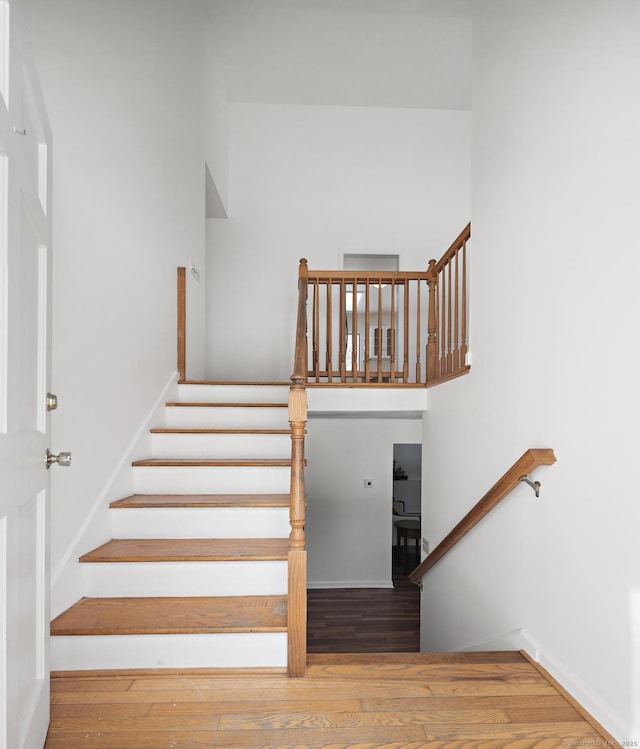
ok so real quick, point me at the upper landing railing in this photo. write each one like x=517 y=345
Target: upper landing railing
x=401 y=328
x=370 y=328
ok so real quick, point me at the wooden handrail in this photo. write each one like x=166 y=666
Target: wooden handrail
x=457 y=243
x=297 y=557
x=522 y=467
x=447 y=339
x=182 y=324
x=300 y=355
x=362 y=276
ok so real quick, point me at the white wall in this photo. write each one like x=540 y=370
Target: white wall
x=349 y=526
x=125 y=88
x=554 y=314
x=306 y=181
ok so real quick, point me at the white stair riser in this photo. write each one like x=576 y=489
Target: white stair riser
x=224 y=650
x=211 y=480
x=137 y=579
x=233 y=393
x=201 y=522
x=192 y=417
x=221 y=445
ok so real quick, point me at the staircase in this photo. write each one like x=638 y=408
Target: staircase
x=196 y=572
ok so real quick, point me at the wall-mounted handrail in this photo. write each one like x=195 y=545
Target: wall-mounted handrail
x=297 y=557
x=392 y=327
x=522 y=467
x=182 y=324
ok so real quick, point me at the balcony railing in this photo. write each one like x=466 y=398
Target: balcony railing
x=401 y=328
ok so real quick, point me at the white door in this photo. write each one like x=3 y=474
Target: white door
x=25 y=262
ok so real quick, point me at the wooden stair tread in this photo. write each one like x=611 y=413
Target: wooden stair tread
x=172 y=615
x=220 y=431
x=137 y=501
x=190 y=550
x=216 y=462
x=173 y=404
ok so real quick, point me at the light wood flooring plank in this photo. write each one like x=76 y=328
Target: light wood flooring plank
x=366 y=704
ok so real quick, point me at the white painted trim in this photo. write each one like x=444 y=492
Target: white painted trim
x=42 y=586
x=5 y=46
x=223 y=650
x=3 y=632
x=521 y=639
x=43 y=343
x=232 y=479
x=225 y=578
x=4 y=286
x=318 y=585
x=122 y=467
x=410 y=402
x=43 y=176
x=516 y=639
x=200 y=522
x=584 y=694
x=32 y=710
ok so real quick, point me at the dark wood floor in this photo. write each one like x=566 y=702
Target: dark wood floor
x=365 y=620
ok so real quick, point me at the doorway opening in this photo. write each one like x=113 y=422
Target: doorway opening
x=406 y=511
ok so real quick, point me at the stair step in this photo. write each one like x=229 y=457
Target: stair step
x=199 y=444
x=137 y=501
x=215 y=462
x=189 y=550
x=233 y=392
x=203 y=415
x=241 y=576
x=172 y=615
x=208 y=476
x=207 y=404
x=206 y=521
x=171 y=632
x=220 y=431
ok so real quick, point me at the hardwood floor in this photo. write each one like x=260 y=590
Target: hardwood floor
x=366 y=620
x=363 y=620
x=364 y=689
x=466 y=701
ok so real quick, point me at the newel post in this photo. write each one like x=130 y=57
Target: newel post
x=298 y=422
x=432 y=324
x=297 y=557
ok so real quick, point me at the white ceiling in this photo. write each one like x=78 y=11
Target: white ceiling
x=388 y=53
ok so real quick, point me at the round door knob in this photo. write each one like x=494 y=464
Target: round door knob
x=62 y=459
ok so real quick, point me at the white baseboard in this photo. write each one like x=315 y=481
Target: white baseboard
x=521 y=639
x=320 y=584
x=517 y=639
x=66 y=578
